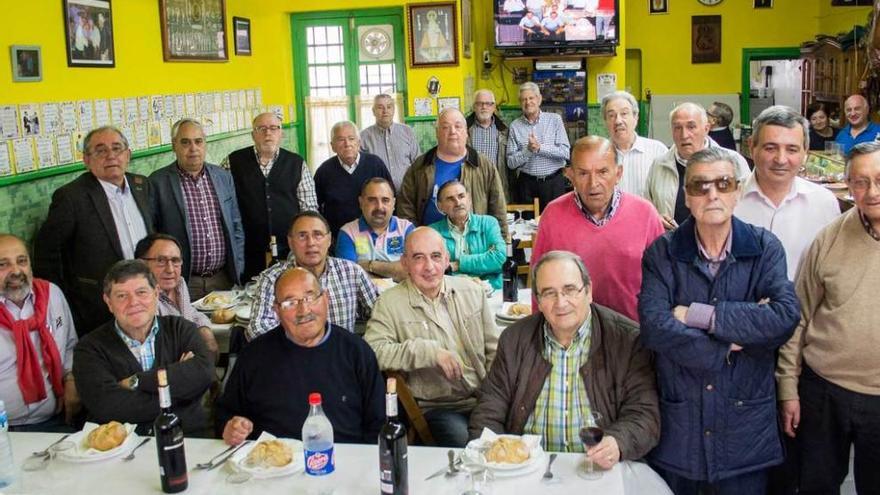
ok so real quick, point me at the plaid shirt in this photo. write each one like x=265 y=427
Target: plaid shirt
x=144 y=353
x=485 y=140
x=207 y=244
x=550 y=132
x=185 y=310
x=349 y=287
x=868 y=227
x=609 y=212
x=305 y=190
x=563 y=402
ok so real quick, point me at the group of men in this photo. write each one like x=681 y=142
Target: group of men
x=685 y=299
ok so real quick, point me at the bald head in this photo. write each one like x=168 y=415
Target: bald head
x=15 y=269
x=856 y=110
x=451 y=134
x=301 y=306
x=425 y=259
x=423 y=235
x=297 y=276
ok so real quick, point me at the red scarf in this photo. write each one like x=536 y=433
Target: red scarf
x=30 y=374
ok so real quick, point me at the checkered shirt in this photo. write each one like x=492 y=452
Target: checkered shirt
x=485 y=141
x=207 y=245
x=144 y=353
x=350 y=289
x=554 y=151
x=609 y=212
x=563 y=402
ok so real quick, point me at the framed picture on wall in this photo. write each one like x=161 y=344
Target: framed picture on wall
x=27 y=63
x=705 y=39
x=763 y=4
x=658 y=7
x=193 y=30
x=241 y=28
x=433 y=38
x=88 y=25
x=852 y=3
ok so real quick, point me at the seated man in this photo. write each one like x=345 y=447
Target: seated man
x=375 y=240
x=37 y=337
x=115 y=365
x=473 y=241
x=274 y=374
x=440 y=331
x=161 y=252
x=572 y=340
x=350 y=290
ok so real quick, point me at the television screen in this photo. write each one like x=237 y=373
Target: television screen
x=555 y=24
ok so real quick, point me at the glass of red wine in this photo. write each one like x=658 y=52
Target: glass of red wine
x=591 y=434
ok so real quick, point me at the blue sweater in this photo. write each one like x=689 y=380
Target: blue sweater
x=338 y=190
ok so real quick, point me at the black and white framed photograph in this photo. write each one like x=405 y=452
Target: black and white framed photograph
x=27 y=63
x=241 y=28
x=658 y=6
x=88 y=25
x=763 y=4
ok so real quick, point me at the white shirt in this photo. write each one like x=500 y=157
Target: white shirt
x=350 y=168
x=637 y=163
x=802 y=214
x=129 y=223
x=61 y=326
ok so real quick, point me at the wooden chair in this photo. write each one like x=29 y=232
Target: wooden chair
x=535 y=207
x=416 y=418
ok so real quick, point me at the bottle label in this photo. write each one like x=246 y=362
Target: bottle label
x=320 y=462
x=391 y=405
x=164 y=397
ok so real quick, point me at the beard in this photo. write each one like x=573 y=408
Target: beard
x=17 y=294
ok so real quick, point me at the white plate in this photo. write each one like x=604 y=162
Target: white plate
x=472 y=455
x=81 y=453
x=243 y=313
x=503 y=315
x=296 y=465
x=201 y=306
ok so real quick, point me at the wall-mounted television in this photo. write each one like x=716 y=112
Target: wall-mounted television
x=562 y=26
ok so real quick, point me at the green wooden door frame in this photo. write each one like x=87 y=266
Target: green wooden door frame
x=353 y=18
x=750 y=54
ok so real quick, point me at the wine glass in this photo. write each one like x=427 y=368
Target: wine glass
x=478 y=481
x=591 y=434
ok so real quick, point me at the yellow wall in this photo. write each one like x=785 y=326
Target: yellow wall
x=834 y=20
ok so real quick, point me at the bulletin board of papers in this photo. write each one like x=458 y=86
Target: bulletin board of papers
x=39 y=136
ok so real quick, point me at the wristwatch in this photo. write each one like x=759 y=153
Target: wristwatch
x=133 y=382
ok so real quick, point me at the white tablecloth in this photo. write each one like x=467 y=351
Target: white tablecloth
x=357 y=472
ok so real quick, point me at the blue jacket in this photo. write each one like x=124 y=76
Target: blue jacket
x=486 y=247
x=717 y=408
x=170 y=217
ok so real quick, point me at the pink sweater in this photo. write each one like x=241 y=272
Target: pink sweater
x=612 y=253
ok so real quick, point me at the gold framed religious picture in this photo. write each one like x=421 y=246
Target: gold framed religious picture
x=241 y=31
x=27 y=63
x=193 y=30
x=88 y=25
x=433 y=37
x=658 y=7
x=705 y=39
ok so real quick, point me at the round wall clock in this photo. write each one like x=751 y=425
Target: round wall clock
x=710 y=2
x=375 y=43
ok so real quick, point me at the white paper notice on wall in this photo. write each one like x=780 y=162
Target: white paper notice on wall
x=8 y=122
x=51 y=118
x=606 y=83
x=46 y=151
x=5 y=162
x=64 y=147
x=117 y=111
x=23 y=155
x=102 y=114
x=131 y=110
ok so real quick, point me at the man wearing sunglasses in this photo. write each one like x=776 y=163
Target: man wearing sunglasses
x=715 y=305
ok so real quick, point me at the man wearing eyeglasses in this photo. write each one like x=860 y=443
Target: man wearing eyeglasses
x=827 y=376
x=634 y=153
x=487 y=134
x=272 y=185
x=350 y=291
x=269 y=386
x=715 y=305
x=573 y=358
x=93 y=222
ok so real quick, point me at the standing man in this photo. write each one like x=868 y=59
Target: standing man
x=487 y=134
x=375 y=240
x=859 y=128
x=93 y=222
x=665 y=185
x=271 y=186
x=37 y=338
x=394 y=143
x=634 y=153
x=195 y=202
x=451 y=159
x=720 y=116
x=774 y=197
x=715 y=306
x=608 y=228
x=827 y=373
x=537 y=150
x=339 y=179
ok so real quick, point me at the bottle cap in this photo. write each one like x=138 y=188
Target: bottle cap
x=314 y=399
x=162 y=377
x=391 y=386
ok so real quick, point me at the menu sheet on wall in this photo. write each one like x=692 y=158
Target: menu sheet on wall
x=8 y=122
x=179 y=106
x=78 y=138
x=64 y=147
x=69 y=121
x=45 y=145
x=140 y=136
x=165 y=129
x=86 y=114
x=51 y=119
x=23 y=155
x=102 y=114
x=143 y=108
x=117 y=111
x=169 y=107
x=131 y=110
x=191 y=108
x=5 y=161
x=157 y=108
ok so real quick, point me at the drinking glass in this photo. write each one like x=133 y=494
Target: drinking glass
x=478 y=481
x=591 y=434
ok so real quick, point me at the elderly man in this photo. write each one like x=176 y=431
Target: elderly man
x=339 y=179
x=93 y=222
x=474 y=242
x=635 y=153
x=608 y=228
x=271 y=186
x=572 y=341
x=715 y=306
x=115 y=366
x=351 y=292
x=305 y=353
x=440 y=331
x=195 y=202
x=451 y=159
x=37 y=337
x=537 y=149
x=859 y=128
x=720 y=116
x=665 y=184
x=161 y=252
x=394 y=143
x=774 y=197
x=827 y=376
x=487 y=134
x=375 y=240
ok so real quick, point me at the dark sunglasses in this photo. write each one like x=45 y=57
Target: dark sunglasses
x=701 y=187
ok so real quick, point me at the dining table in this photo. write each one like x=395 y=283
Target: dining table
x=357 y=472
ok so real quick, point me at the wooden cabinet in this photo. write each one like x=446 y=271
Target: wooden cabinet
x=833 y=68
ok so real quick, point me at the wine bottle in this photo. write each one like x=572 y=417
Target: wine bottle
x=169 y=441
x=272 y=253
x=510 y=288
x=393 y=471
